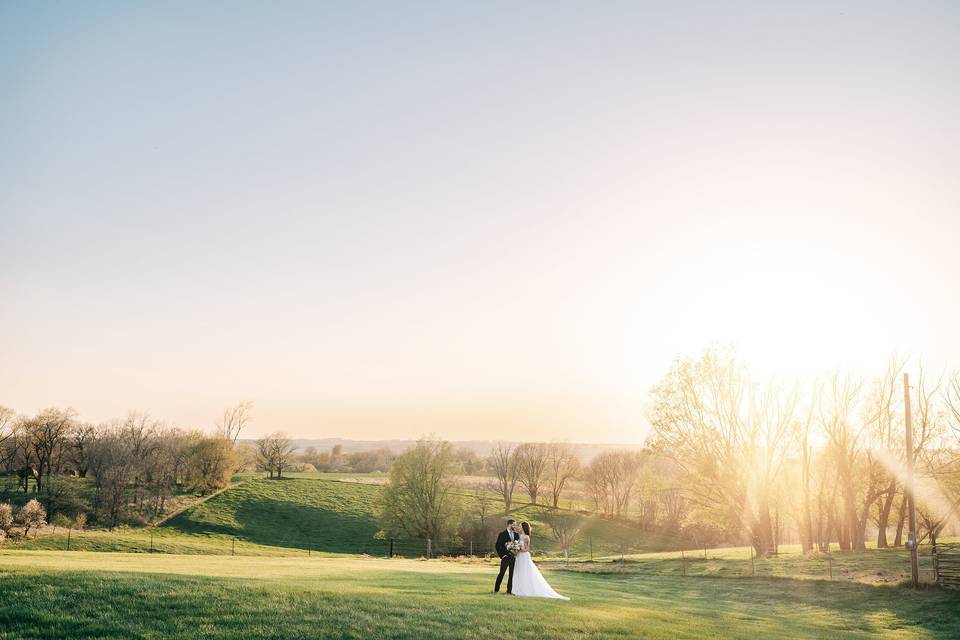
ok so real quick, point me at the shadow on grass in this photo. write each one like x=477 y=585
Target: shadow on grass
x=400 y=604
x=292 y=513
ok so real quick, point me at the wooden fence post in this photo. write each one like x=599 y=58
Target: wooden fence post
x=429 y=548
x=683 y=561
x=391 y=547
x=233 y=546
x=935 y=557
x=591 y=549
x=69 y=531
x=151 y=540
x=471 y=546
x=753 y=563
x=830 y=565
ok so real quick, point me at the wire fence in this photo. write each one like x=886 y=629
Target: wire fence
x=937 y=565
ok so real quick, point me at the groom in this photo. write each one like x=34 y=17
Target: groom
x=506 y=558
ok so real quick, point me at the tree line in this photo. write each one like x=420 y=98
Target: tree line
x=135 y=464
x=821 y=462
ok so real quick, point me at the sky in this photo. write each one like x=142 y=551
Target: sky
x=477 y=220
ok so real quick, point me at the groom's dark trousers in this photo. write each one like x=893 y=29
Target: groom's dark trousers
x=506 y=562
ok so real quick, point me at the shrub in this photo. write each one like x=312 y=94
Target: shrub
x=32 y=515
x=60 y=520
x=80 y=521
x=6 y=516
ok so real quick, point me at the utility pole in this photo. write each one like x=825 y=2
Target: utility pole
x=911 y=505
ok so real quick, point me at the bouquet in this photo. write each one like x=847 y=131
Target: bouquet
x=514 y=547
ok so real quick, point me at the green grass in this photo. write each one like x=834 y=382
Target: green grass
x=873 y=566
x=322 y=512
x=47 y=595
x=326 y=515
x=256 y=517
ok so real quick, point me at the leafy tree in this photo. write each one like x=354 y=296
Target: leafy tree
x=565 y=526
x=213 y=461
x=420 y=499
x=730 y=436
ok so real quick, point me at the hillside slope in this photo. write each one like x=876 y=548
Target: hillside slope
x=324 y=515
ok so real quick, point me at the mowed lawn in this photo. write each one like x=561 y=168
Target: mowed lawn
x=50 y=594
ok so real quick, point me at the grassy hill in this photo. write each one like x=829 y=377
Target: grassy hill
x=52 y=595
x=322 y=513
x=326 y=515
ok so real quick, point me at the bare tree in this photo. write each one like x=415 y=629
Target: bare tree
x=8 y=423
x=275 y=453
x=562 y=466
x=532 y=463
x=504 y=462
x=235 y=419
x=78 y=451
x=47 y=433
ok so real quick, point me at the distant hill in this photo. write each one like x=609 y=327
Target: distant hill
x=481 y=447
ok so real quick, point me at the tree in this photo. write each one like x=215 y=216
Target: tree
x=565 y=527
x=612 y=479
x=78 y=454
x=8 y=423
x=235 y=420
x=275 y=453
x=729 y=434
x=213 y=460
x=32 y=516
x=503 y=461
x=112 y=463
x=420 y=499
x=47 y=433
x=562 y=466
x=532 y=465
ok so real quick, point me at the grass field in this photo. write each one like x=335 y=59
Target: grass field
x=293 y=577
x=48 y=595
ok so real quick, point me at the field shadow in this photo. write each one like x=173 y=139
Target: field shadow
x=793 y=604
x=283 y=523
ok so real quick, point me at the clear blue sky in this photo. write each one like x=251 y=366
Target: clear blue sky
x=474 y=219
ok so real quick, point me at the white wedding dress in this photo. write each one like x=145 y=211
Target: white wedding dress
x=527 y=580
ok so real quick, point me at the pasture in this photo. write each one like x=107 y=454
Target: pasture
x=300 y=571
x=50 y=595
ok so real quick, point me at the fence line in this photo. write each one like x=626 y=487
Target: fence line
x=939 y=564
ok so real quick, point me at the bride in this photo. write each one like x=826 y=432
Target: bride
x=527 y=580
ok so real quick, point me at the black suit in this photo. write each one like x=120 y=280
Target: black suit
x=506 y=561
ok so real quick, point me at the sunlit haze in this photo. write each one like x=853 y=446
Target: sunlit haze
x=381 y=220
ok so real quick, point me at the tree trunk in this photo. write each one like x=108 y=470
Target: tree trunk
x=850 y=521
x=898 y=541
x=806 y=523
x=762 y=530
x=883 y=521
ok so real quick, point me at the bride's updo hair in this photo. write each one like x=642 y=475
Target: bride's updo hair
x=526 y=527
